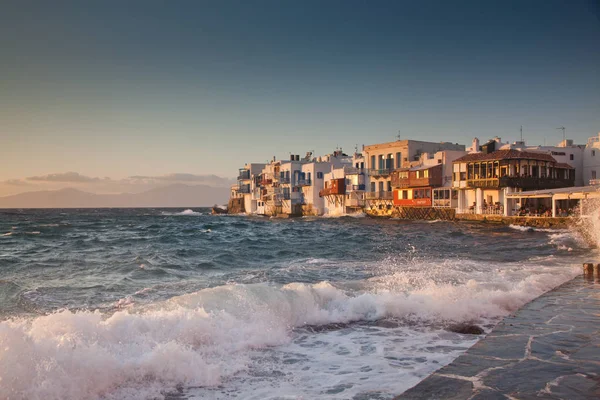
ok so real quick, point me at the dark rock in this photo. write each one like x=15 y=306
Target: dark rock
x=466 y=328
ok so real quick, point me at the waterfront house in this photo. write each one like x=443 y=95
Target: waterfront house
x=591 y=161
x=248 y=186
x=484 y=179
x=384 y=158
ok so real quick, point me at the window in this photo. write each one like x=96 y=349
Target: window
x=593 y=174
x=389 y=186
x=572 y=157
x=381 y=186
x=463 y=176
x=593 y=153
x=405 y=194
x=373 y=162
x=319 y=175
x=372 y=186
x=398 y=160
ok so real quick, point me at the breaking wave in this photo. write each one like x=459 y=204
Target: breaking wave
x=184 y=212
x=203 y=338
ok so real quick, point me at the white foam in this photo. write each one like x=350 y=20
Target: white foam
x=208 y=338
x=7 y=234
x=532 y=229
x=188 y=212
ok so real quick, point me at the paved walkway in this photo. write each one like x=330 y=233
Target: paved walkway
x=550 y=349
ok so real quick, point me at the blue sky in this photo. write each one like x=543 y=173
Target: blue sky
x=112 y=88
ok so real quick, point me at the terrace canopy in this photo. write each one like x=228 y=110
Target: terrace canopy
x=567 y=193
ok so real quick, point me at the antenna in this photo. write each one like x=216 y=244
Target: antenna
x=563 y=129
x=356 y=148
x=521 y=133
x=398 y=135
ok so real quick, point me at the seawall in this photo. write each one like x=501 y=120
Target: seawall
x=429 y=213
x=549 y=349
x=534 y=222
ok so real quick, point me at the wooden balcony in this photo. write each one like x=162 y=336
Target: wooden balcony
x=521 y=182
x=334 y=187
x=380 y=172
x=379 y=195
x=402 y=183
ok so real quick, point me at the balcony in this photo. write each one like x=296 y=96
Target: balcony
x=355 y=203
x=284 y=179
x=354 y=171
x=334 y=187
x=304 y=182
x=379 y=195
x=401 y=183
x=521 y=182
x=355 y=188
x=244 y=175
x=381 y=172
x=244 y=189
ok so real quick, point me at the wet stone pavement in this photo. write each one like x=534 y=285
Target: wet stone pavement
x=550 y=349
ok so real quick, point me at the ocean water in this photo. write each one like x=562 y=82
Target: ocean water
x=180 y=304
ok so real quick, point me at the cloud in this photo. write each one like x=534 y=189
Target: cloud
x=182 y=177
x=72 y=177
x=16 y=182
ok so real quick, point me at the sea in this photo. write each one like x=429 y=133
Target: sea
x=180 y=304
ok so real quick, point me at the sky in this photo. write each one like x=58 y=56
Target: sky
x=94 y=93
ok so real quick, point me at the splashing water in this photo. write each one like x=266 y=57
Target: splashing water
x=313 y=308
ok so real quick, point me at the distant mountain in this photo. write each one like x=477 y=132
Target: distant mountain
x=176 y=195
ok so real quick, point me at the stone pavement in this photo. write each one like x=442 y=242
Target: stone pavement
x=550 y=349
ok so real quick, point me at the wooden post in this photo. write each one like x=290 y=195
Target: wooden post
x=588 y=269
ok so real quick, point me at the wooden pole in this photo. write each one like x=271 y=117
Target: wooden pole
x=588 y=269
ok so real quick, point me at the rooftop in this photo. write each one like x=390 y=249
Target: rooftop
x=511 y=154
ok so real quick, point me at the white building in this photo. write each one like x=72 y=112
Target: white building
x=591 y=161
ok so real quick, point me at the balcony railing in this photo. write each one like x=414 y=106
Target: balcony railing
x=244 y=189
x=284 y=179
x=442 y=203
x=380 y=172
x=304 y=182
x=522 y=182
x=355 y=188
x=379 y=195
x=355 y=203
x=354 y=171
x=244 y=175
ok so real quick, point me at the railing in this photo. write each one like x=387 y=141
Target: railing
x=355 y=202
x=442 y=203
x=304 y=182
x=355 y=188
x=523 y=182
x=379 y=195
x=353 y=171
x=243 y=175
x=380 y=172
x=284 y=179
x=244 y=189
x=533 y=183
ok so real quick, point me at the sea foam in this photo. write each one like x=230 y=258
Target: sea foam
x=204 y=338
